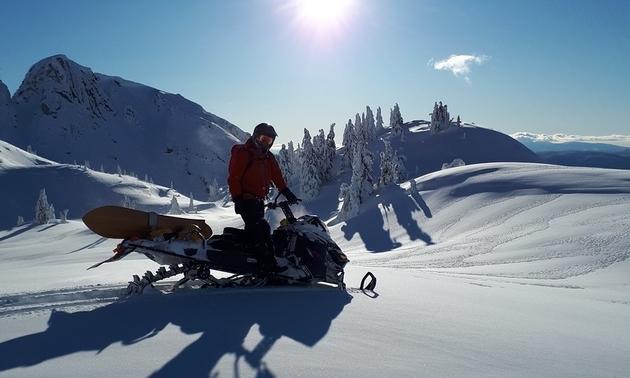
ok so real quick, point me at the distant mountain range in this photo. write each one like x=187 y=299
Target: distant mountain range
x=580 y=154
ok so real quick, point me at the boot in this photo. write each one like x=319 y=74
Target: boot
x=267 y=261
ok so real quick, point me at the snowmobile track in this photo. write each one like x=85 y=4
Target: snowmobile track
x=36 y=302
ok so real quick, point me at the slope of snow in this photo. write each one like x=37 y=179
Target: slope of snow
x=14 y=157
x=490 y=270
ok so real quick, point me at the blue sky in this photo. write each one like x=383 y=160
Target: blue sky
x=541 y=66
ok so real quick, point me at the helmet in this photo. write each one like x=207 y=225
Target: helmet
x=264 y=131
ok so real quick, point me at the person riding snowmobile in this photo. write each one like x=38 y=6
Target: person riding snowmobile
x=251 y=170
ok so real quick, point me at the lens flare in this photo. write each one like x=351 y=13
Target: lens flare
x=324 y=13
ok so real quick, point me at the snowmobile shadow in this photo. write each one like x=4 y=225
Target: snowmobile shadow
x=224 y=320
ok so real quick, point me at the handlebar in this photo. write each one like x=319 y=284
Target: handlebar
x=285 y=206
x=275 y=204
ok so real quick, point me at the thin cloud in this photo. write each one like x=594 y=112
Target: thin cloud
x=460 y=65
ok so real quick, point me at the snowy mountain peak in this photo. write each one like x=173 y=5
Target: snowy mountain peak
x=69 y=114
x=53 y=83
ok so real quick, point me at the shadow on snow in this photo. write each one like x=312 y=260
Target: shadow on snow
x=223 y=319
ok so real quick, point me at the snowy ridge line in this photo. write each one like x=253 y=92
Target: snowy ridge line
x=33 y=302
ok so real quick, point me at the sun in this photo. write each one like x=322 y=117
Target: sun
x=323 y=13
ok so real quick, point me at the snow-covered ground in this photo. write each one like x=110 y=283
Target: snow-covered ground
x=489 y=270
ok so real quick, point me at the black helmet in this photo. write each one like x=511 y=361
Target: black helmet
x=264 y=130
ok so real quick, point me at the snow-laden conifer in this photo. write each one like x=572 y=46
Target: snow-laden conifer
x=370 y=125
x=387 y=166
x=349 y=138
x=331 y=153
x=284 y=163
x=213 y=190
x=191 y=204
x=399 y=168
x=396 y=123
x=361 y=182
x=319 y=151
x=379 y=120
x=42 y=209
x=359 y=128
x=128 y=202
x=63 y=216
x=51 y=213
x=440 y=118
x=309 y=183
x=175 y=209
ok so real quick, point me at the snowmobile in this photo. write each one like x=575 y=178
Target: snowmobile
x=304 y=252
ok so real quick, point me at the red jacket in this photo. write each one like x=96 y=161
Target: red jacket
x=250 y=172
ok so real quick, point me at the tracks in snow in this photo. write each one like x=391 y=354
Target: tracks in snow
x=36 y=302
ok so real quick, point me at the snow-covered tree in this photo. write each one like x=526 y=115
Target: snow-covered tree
x=331 y=153
x=51 y=213
x=361 y=183
x=319 y=150
x=284 y=163
x=348 y=134
x=175 y=209
x=293 y=158
x=128 y=203
x=399 y=169
x=191 y=204
x=370 y=125
x=396 y=122
x=63 y=216
x=440 y=118
x=379 y=120
x=20 y=220
x=350 y=203
x=456 y=163
x=387 y=166
x=42 y=209
x=359 y=128
x=349 y=139
x=213 y=190
x=363 y=173
x=309 y=182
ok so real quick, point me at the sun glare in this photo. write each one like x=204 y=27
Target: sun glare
x=324 y=12
x=321 y=23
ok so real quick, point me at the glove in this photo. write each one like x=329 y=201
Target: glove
x=238 y=204
x=288 y=194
